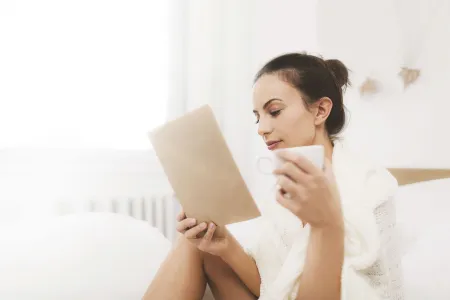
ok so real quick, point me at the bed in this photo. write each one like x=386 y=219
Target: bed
x=110 y=256
x=422 y=208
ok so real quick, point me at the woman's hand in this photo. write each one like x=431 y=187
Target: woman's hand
x=219 y=242
x=308 y=192
x=206 y=237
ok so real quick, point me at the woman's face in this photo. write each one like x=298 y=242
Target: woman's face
x=282 y=117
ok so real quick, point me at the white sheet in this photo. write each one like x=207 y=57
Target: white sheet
x=86 y=256
x=423 y=211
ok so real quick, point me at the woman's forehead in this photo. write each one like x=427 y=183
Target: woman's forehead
x=271 y=86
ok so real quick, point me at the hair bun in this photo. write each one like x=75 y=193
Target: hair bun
x=339 y=71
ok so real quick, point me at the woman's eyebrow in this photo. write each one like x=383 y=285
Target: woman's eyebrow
x=267 y=103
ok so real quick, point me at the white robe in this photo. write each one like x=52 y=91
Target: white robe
x=280 y=251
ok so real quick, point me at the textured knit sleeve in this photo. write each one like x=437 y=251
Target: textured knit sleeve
x=386 y=274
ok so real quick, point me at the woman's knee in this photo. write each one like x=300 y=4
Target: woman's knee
x=214 y=266
x=224 y=282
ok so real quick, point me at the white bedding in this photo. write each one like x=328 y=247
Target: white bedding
x=86 y=256
x=423 y=211
x=109 y=256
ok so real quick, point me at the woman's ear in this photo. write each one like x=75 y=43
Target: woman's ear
x=323 y=110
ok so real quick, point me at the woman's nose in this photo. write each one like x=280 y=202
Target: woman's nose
x=264 y=127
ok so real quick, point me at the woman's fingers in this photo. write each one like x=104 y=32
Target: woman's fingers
x=287 y=185
x=287 y=203
x=193 y=232
x=185 y=224
x=181 y=216
x=209 y=234
x=292 y=171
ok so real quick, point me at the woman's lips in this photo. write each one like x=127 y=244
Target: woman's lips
x=273 y=145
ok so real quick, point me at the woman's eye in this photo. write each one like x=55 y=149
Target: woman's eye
x=275 y=113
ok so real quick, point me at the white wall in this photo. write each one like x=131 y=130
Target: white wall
x=406 y=128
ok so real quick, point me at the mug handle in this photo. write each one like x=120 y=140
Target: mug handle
x=258 y=164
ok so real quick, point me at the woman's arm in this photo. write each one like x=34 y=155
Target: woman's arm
x=243 y=265
x=313 y=196
x=321 y=277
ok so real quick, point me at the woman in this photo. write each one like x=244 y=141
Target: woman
x=300 y=255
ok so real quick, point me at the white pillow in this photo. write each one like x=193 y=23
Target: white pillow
x=424 y=226
x=85 y=256
x=426 y=266
x=419 y=206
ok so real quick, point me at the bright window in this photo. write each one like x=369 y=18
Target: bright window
x=82 y=74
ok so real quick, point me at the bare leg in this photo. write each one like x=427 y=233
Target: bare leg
x=181 y=276
x=185 y=272
x=224 y=283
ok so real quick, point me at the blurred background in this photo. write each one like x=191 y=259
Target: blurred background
x=83 y=82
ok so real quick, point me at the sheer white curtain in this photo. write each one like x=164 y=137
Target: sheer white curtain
x=83 y=74
x=81 y=84
x=211 y=64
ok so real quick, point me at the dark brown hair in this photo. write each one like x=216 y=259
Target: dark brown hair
x=314 y=78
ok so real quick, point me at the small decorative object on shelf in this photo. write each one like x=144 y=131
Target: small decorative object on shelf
x=369 y=86
x=409 y=76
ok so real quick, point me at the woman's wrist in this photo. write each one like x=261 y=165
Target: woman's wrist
x=230 y=251
x=333 y=222
x=335 y=229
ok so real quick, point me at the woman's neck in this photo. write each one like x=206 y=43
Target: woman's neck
x=327 y=143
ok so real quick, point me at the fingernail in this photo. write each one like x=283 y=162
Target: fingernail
x=203 y=225
x=193 y=221
x=211 y=225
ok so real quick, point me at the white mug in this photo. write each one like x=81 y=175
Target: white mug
x=315 y=153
